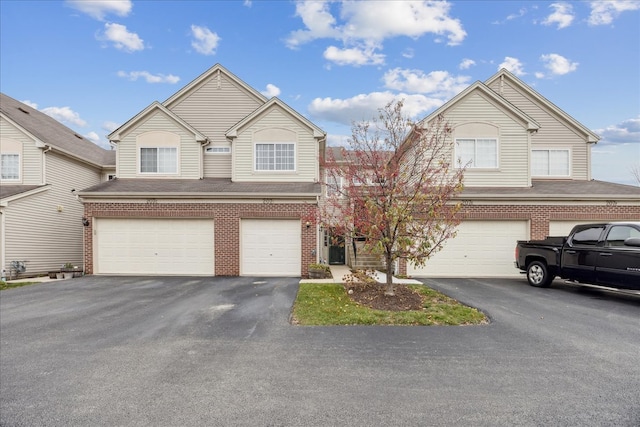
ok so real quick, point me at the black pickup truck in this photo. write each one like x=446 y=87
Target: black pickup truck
x=603 y=254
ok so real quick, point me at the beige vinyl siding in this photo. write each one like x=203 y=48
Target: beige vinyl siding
x=30 y=158
x=36 y=231
x=189 y=153
x=553 y=131
x=217 y=165
x=306 y=149
x=513 y=145
x=213 y=108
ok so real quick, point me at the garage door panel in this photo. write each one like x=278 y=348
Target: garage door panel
x=154 y=246
x=270 y=247
x=480 y=249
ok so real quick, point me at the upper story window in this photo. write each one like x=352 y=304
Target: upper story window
x=218 y=150
x=10 y=167
x=550 y=163
x=477 y=152
x=334 y=185
x=275 y=157
x=158 y=160
x=158 y=153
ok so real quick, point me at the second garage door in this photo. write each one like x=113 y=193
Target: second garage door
x=154 y=246
x=270 y=247
x=480 y=249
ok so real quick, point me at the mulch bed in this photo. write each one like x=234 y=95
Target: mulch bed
x=372 y=296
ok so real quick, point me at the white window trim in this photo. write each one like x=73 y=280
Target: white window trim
x=177 y=172
x=295 y=157
x=339 y=183
x=475 y=139
x=19 y=178
x=227 y=151
x=568 y=150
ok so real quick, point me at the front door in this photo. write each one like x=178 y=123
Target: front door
x=336 y=250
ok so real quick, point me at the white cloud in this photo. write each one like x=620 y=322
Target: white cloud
x=150 y=78
x=30 y=104
x=562 y=15
x=317 y=17
x=93 y=137
x=271 y=91
x=110 y=126
x=353 y=56
x=122 y=38
x=365 y=106
x=361 y=25
x=408 y=53
x=604 y=12
x=513 y=65
x=64 y=114
x=627 y=131
x=205 y=41
x=338 y=140
x=558 y=64
x=439 y=84
x=466 y=64
x=98 y=9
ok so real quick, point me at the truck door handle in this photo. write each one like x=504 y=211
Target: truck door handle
x=571 y=252
x=605 y=254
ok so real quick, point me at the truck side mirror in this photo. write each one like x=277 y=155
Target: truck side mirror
x=632 y=241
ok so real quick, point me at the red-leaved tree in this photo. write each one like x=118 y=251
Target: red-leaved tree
x=393 y=188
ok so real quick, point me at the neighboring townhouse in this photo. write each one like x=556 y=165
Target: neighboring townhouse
x=43 y=165
x=529 y=176
x=216 y=180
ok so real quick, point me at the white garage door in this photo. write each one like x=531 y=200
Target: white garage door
x=480 y=249
x=270 y=247
x=154 y=246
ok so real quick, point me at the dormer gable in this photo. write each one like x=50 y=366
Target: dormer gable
x=117 y=135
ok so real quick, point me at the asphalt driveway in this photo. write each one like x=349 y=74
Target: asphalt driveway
x=220 y=351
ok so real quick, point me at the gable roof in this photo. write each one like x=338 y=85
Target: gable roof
x=115 y=136
x=478 y=86
x=531 y=93
x=217 y=69
x=47 y=131
x=317 y=132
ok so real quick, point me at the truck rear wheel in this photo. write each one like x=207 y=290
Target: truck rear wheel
x=538 y=274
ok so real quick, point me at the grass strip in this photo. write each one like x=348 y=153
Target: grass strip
x=324 y=304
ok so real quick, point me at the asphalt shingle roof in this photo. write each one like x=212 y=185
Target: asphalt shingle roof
x=209 y=187
x=11 y=190
x=54 y=133
x=564 y=189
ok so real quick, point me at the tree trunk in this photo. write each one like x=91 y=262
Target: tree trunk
x=390 y=290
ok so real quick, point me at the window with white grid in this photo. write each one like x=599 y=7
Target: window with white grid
x=477 y=152
x=10 y=167
x=275 y=157
x=158 y=160
x=550 y=163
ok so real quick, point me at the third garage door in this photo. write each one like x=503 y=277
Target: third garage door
x=270 y=247
x=481 y=249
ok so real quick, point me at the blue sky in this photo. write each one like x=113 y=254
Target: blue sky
x=95 y=64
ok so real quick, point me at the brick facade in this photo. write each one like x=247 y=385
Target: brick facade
x=539 y=216
x=226 y=217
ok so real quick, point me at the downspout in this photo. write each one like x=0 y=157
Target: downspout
x=44 y=163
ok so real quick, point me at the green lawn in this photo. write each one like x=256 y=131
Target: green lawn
x=5 y=285
x=328 y=304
